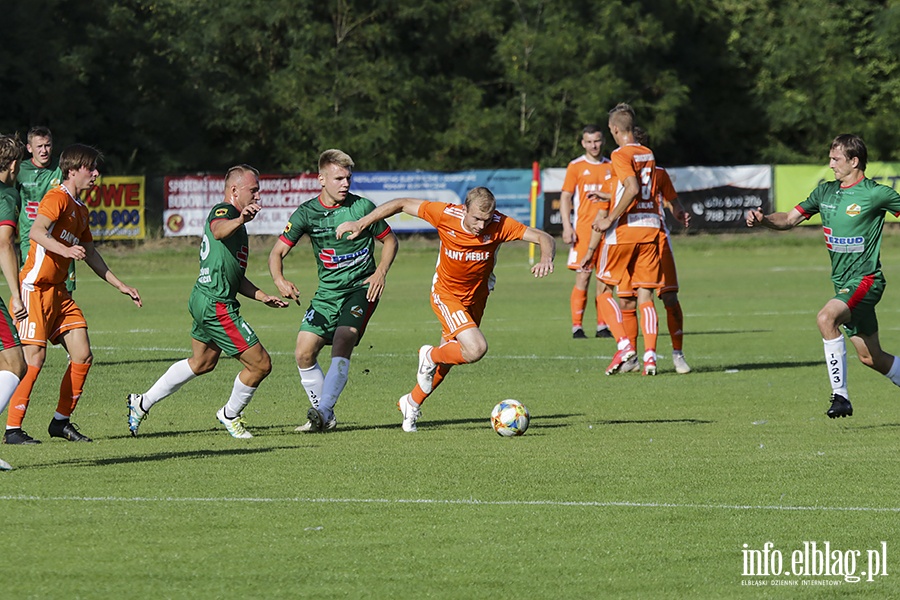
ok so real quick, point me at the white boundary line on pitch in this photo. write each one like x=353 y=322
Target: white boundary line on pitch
x=464 y=502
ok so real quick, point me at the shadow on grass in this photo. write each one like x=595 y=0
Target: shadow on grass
x=137 y=361
x=881 y=426
x=654 y=422
x=754 y=366
x=158 y=456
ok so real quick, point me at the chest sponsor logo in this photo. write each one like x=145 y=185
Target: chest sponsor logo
x=469 y=255
x=332 y=260
x=853 y=210
x=843 y=245
x=31 y=210
x=242 y=255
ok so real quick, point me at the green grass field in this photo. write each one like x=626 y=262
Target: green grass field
x=623 y=487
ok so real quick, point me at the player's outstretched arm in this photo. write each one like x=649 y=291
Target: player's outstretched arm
x=779 y=220
x=409 y=206
x=377 y=280
x=98 y=266
x=276 y=269
x=548 y=250
x=251 y=291
x=224 y=228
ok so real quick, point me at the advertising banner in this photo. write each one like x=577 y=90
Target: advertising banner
x=188 y=200
x=716 y=197
x=116 y=207
x=793 y=183
x=511 y=188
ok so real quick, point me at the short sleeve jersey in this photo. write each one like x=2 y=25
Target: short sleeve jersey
x=583 y=176
x=222 y=262
x=69 y=218
x=852 y=221
x=343 y=264
x=9 y=205
x=640 y=222
x=33 y=182
x=466 y=262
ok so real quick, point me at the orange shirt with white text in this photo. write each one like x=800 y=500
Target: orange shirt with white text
x=70 y=226
x=640 y=223
x=465 y=264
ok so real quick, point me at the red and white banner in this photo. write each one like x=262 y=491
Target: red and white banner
x=188 y=200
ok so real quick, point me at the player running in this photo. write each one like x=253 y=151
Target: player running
x=852 y=208
x=470 y=236
x=218 y=326
x=350 y=284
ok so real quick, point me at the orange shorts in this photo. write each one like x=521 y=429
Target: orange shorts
x=638 y=262
x=667 y=266
x=51 y=312
x=454 y=316
x=579 y=248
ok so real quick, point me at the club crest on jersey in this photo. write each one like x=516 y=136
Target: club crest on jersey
x=287 y=228
x=332 y=260
x=221 y=212
x=356 y=311
x=853 y=210
x=843 y=245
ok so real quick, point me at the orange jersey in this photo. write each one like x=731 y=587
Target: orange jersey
x=640 y=223
x=583 y=176
x=665 y=193
x=70 y=227
x=465 y=264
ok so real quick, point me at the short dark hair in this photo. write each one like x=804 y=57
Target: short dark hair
x=238 y=171
x=592 y=128
x=11 y=148
x=79 y=155
x=853 y=147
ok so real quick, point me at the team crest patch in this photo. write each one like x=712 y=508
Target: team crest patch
x=287 y=228
x=356 y=311
x=844 y=291
x=853 y=210
x=221 y=212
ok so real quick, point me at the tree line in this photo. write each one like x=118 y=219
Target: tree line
x=173 y=86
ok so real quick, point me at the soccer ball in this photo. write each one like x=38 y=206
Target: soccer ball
x=510 y=418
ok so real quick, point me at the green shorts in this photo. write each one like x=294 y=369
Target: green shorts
x=220 y=323
x=328 y=312
x=9 y=336
x=861 y=295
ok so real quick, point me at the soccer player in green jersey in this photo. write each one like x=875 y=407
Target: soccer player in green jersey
x=852 y=208
x=350 y=283
x=218 y=326
x=36 y=178
x=12 y=360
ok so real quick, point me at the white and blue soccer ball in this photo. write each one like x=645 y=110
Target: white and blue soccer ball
x=510 y=418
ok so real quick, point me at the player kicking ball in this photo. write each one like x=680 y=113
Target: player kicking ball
x=470 y=236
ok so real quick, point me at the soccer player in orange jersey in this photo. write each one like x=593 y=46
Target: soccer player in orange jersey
x=470 y=236
x=668 y=293
x=631 y=247
x=59 y=235
x=587 y=181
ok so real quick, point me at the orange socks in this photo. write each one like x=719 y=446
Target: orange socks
x=418 y=395
x=675 y=320
x=649 y=325
x=578 y=300
x=18 y=404
x=448 y=353
x=609 y=308
x=71 y=387
x=630 y=322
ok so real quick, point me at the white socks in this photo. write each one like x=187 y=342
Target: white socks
x=893 y=374
x=312 y=380
x=171 y=381
x=8 y=385
x=335 y=380
x=240 y=397
x=836 y=361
